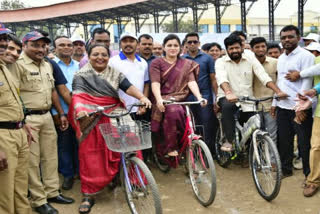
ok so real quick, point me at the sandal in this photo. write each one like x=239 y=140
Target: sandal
x=226 y=147
x=173 y=154
x=86 y=206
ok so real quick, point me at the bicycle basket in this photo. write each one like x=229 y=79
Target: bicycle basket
x=127 y=138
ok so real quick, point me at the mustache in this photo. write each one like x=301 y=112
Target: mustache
x=128 y=46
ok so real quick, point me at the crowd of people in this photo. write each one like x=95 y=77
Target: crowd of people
x=46 y=95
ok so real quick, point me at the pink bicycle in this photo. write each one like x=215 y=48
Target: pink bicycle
x=199 y=162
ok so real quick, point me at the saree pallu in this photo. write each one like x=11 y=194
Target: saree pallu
x=98 y=164
x=173 y=79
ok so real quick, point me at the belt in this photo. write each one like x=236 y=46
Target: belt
x=11 y=125
x=29 y=111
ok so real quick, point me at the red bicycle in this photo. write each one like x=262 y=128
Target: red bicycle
x=199 y=162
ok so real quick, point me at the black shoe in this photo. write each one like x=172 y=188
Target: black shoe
x=46 y=209
x=67 y=183
x=60 y=199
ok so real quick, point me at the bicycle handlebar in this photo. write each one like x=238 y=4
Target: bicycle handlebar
x=171 y=102
x=246 y=98
x=100 y=109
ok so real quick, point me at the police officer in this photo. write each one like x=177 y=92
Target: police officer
x=14 y=149
x=38 y=94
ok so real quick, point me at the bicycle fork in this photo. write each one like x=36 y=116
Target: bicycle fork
x=255 y=148
x=126 y=175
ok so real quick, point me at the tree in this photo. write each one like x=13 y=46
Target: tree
x=183 y=27
x=12 y=5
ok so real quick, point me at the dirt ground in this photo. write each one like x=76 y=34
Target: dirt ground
x=236 y=194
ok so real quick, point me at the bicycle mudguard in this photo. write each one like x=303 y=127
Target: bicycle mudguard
x=254 y=142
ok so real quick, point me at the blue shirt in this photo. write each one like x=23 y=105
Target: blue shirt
x=317 y=87
x=68 y=71
x=206 y=68
x=59 y=78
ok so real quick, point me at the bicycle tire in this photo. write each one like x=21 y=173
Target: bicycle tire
x=223 y=158
x=274 y=170
x=202 y=158
x=137 y=200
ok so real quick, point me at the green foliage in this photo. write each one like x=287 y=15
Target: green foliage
x=183 y=26
x=12 y=5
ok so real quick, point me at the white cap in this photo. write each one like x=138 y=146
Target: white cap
x=127 y=34
x=312 y=36
x=77 y=38
x=313 y=46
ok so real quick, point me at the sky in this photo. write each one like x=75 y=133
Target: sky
x=259 y=9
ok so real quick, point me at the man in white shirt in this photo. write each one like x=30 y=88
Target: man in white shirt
x=134 y=67
x=235 y=73
x=290 y=122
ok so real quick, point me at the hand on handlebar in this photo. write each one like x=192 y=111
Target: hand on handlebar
x=144 y=100
x=203 y=102
x=160 y=105
x=82 y=114
x=281 y=95
x=231 y=97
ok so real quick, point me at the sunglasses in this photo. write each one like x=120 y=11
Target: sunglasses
x=194 y=42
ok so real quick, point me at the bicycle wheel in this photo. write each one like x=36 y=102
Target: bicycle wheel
x=223 y=158
x=265 y=167
x=140 y=188
x=202 y=172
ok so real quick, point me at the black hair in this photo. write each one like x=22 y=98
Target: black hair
x=184 y=41
x=191 y=34
x=15 y=39
x=58 y=37
x=290 y=28
x=99 y=30
x=146 y=36
x=91 y=47
x=205 y=47
x=273 y=45
x=232 y=39
x=257 y=40
x=239 y=33
x=44 y=33
x=214 y=44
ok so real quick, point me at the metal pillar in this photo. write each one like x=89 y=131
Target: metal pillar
x=218 y=16
x=136 y=24
x=271 y=20
x=68 y=28
x=156 y=21
x=175 y=17
x=118 y=19
x=102 y=22
x=301 y=4
x=50 y=28
x=195 y=16
x=85 y=29
x=243 y=16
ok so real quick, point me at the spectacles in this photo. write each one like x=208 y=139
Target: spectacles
x=194 y=42
x=288 y=37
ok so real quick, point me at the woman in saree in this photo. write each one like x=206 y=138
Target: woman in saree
x=171 y=77
x=94 y=85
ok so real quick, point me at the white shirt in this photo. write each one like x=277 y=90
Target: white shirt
x=240 y=76
x=135 y=71
x=299 y=59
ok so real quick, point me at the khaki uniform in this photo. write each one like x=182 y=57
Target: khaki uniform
x=14 y=180
x=36 y=85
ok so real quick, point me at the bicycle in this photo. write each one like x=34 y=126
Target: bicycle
x=264 y=158
x=140 y=188
x=199 y=162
